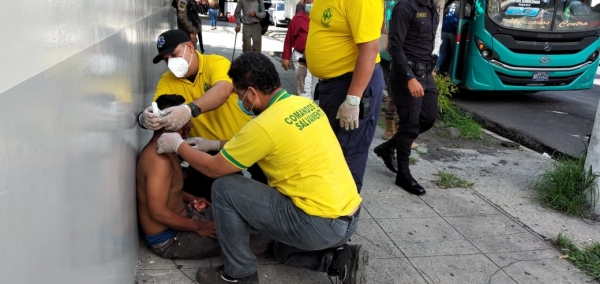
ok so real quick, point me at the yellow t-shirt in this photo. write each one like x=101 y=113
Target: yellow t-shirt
x=294 y=145
x=219 y=124
x=336 y=27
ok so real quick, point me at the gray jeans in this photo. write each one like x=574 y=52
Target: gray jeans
x=251 y=37
x=300 y=239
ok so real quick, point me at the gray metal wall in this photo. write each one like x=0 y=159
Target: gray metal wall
x=72 y=75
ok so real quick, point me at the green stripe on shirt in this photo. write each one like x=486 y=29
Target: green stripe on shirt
x=232 y=160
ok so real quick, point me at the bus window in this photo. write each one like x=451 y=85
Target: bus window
x=537 y=15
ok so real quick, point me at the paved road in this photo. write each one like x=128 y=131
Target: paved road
x=544 y=121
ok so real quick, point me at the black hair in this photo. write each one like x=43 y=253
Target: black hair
x=169 y=100
x=254 y=69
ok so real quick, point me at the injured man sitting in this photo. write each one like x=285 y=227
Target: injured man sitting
x=176 y=224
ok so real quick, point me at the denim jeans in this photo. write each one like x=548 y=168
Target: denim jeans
x=213 y=13
x=446 y=52
x=301 y=240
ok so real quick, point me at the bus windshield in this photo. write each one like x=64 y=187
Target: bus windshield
x=545 y=15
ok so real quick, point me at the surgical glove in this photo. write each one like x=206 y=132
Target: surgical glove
x=348 y=116
x=169 y=142
x=176 y=117
x=203 y=144
x=150 y=120
x=300 y=77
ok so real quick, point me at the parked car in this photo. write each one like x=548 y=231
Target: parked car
x=277 y=13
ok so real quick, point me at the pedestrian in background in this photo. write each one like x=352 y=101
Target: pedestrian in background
x=249 y=13
x=411 y=40
x=449 y=28
x=188 y=20
x=213 y=12
x=343 y=51
x=295 y=39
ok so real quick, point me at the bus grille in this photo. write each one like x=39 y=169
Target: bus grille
x=526 y=81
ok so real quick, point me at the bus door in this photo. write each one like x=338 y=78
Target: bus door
x=465 y=16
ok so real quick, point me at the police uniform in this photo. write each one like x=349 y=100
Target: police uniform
x=188 y=19
x=335 y=29
x=411 y=42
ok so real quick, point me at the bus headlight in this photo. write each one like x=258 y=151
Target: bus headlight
x=486 y=53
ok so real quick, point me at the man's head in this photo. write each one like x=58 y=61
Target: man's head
x=167 y=101
x=255 y=80
x=176 y=44
x=308 y=6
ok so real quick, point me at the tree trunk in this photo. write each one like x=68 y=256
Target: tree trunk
x=438 y=33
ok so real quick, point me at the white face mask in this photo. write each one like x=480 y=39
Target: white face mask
x=178 y=65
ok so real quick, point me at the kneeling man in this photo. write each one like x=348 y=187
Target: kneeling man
x=311 y=206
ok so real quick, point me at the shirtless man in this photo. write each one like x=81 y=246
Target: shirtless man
x=173 y=228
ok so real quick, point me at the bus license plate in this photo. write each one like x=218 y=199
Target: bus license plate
x=540 y=76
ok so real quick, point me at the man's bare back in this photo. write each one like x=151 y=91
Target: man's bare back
x=159 y=183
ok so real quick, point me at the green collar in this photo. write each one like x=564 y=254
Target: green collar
x=283 y=94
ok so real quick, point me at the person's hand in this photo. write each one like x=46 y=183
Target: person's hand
x=285 y=64
x=193 y=38
x=201 y=200
x=175 y=117
x=300 y=78
x=207 y=229
x=415 y=88
x=169 y=142
x=150 y=120
x=348 y=115
x=203 y=145
x=237 y=29
x=252 y=14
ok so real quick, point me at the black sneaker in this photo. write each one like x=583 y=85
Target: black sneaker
x=212 y=275
x=349 y=264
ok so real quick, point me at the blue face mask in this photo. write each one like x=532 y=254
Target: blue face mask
x=241 y=104
x=307 y=8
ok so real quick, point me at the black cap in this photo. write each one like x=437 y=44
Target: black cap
x=168 y=41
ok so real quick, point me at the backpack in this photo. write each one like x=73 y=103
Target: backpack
x=264 y=22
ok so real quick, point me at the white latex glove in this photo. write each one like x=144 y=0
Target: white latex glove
x=300 y=77
x=348 y=115
x=149 y=119
x=175 y=117
x=203 y=145
x=169 y=142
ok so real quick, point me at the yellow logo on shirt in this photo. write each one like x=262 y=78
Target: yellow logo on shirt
x=422 y=15
x=326 y=18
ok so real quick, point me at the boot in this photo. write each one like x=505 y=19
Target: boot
x=386 y=153
x=405 y=180
x=390 y=130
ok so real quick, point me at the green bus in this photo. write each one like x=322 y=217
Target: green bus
x=523 y=45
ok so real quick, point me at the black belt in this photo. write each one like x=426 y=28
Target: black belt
x=420 y=69
x=349 y=218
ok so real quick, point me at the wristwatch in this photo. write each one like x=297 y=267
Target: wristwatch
x=352 y=100
x=195 y=109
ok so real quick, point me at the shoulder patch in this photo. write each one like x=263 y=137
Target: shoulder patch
x=182 y=4
x=421 y=15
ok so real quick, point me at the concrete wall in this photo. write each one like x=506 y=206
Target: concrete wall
x=73 y=75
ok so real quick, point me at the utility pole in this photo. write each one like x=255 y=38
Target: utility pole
x=593 y=159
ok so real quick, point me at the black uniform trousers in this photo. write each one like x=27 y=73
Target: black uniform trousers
x=416 y=115
x=355 y=143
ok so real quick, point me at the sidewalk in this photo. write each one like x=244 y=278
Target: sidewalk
x=494 y=232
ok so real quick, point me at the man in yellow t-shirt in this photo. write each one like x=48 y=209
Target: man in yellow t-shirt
x=343 y=50
x=311 y=201
x=203 y=81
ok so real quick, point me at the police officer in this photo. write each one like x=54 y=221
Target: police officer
x=411 y=41
x=188 y=20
